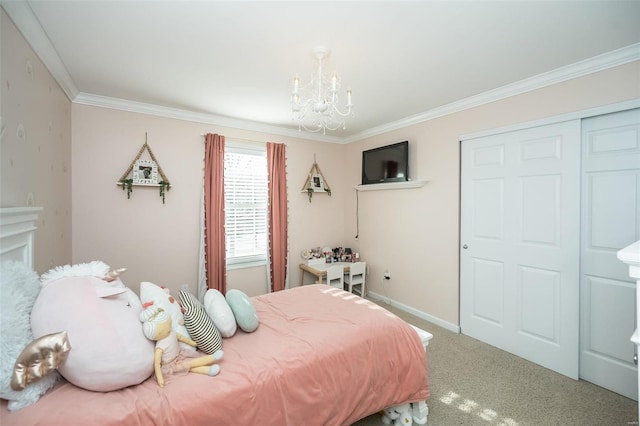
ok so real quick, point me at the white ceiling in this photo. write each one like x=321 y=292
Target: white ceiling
x=225 y=61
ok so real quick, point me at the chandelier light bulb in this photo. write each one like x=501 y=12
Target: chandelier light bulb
x=316 y=105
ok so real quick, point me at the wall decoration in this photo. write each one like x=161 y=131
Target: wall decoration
x=143 y=172
x=315 y=182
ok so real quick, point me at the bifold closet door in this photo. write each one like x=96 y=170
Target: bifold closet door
x=520 y=243
x=610 y=222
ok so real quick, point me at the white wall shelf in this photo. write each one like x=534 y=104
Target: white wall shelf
x=391 y=185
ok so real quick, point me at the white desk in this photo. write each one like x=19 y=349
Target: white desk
x=320 y=270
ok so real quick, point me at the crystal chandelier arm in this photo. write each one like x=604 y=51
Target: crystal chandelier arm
x=316 y=105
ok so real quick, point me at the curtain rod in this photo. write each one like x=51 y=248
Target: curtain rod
x=242 y=140
x=236 y=139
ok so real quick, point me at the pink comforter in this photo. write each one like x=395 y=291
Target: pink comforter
x=320 y=356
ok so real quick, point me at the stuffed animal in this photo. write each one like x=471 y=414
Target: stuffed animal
x=39 y=359
x=162 y=298
x=101 y=317
x=398 y=415
x=169 y=358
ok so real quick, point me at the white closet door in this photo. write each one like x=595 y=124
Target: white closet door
x=610 y=221
x=519 y=257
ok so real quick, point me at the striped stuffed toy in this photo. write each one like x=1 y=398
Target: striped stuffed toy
x=199 y=325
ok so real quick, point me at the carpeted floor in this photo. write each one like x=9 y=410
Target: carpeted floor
x=473 y=383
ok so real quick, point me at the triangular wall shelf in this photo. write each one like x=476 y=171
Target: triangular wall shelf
x=144 y=173
x=315 y=182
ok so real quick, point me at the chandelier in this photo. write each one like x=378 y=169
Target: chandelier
x=316 y=105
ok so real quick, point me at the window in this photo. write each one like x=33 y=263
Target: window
x=245 y=194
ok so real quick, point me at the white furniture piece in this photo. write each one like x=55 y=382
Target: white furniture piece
x=335 y=276
x=17 y=228
x=356 y=277
x=631 y=256
x=319 y=269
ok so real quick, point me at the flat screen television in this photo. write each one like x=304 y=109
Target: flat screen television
x=388 y=163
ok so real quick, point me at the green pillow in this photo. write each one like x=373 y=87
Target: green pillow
x=243 y=310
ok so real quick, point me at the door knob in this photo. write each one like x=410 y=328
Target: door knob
x=465 y=246
x=635 y=359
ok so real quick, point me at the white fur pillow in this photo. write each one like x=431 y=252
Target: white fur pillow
x=220 y=312
x=18 y=291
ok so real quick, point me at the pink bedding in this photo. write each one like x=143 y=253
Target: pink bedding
x=320 y=356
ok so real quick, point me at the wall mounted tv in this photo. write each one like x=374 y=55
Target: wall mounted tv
x=388 y=163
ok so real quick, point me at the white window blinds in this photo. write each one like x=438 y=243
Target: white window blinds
x=245 y=189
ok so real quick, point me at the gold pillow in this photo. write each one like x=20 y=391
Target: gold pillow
x=41 y=357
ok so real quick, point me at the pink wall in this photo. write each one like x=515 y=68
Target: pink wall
x=159 y=243
x=35 y=149
x=414 y=233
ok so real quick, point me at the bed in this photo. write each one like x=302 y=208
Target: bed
x=319 y=356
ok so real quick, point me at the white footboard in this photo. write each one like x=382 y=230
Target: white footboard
x=419 y=411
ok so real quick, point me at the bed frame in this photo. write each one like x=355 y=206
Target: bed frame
x=17 y=228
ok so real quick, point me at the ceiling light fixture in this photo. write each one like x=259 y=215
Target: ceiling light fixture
x=316 y=105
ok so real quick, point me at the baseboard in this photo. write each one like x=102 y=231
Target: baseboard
x=422 y=315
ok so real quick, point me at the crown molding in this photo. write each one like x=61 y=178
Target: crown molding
x=598 y=63
x=592 y=65
x=574 y=115
x=24 y=19
x=180 y=114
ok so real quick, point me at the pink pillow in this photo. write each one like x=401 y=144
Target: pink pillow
x=108 y=349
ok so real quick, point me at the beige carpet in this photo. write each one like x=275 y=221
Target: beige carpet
x=473 y=383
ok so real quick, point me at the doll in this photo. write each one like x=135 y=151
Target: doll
x=169 y=358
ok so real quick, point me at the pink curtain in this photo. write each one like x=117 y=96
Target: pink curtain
x=214 y=238
x=277 y=214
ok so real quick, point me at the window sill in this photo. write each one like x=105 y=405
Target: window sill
x=243 y=265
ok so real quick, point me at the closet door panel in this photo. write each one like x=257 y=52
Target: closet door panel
x=520 y=243
x=610 y=221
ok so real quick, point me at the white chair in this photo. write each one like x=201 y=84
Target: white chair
x=335 y=276
x=355 y=278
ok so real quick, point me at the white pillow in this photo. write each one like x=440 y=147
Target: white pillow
x=220 y=312
x=18 y=292
x=161 y=297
